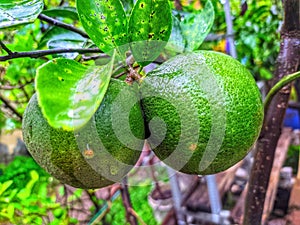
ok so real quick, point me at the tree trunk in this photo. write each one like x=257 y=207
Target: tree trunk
x=288 y=62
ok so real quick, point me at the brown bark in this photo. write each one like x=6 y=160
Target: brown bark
x=130 y=217
x=287 y=63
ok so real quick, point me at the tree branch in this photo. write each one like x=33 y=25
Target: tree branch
x=127 y=203
x=288 y=62
x=20 y=86
x=178 y=5
x=8 y=105
x=5 y=48
x=58 y=23
x=40 y=53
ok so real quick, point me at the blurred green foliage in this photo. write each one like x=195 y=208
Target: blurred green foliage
x=292 y=158
x=26 y=195
x=139 y=199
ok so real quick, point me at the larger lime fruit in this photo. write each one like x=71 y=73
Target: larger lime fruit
x=94 y=156
x=204 y=112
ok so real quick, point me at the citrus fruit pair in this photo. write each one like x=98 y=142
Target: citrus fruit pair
x=202 y=113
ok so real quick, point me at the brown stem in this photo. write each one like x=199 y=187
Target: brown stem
x=93 y=198
x=9 y=87
x=178 y=5
x=40 y=53
x=63 y=25
x=8 y=105
x=127 y=203
x=288 y=61
x=5 y=48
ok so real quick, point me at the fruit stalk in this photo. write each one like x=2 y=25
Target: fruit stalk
x=288 y=62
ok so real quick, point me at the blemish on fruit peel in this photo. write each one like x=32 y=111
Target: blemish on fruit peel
x=88 y=153
x=193 y=147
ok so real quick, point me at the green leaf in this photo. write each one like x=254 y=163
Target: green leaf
x=149 y=29
x=27 y=190
x=4 y=186
x=16 y=12
x=78 y=90
x=106 y=24
x=127 y=5
x=195 y=27
x=8 y=212
x=176 y=42
x=64 y=12
x=57 y=34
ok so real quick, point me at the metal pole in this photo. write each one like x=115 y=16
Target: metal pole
x=213 y=193
x=176 y=194
x=229 y=25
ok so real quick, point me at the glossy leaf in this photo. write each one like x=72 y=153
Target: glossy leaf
x=128 y=5
x=66 y=44
x=149 y=29
x=176 y=42
x=16 y=12
x=195 y=27
x=58 y=33
x=70 y=93
x=64 y=12
x=5 y=186
x=57 y=37
x=106 y=23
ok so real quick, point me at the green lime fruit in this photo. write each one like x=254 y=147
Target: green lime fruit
x=94 y=156
x=204 y=112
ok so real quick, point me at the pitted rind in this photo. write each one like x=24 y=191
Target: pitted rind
x=243 y=108
x=57 y=150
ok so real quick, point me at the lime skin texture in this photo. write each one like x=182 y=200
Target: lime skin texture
x=209 y=108
x=201 y=113
x=92 y=157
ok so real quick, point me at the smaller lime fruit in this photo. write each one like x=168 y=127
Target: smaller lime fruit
x=92 y=157
x=204 y=111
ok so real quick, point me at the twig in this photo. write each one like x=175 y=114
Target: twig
x=114 y=193
x=178 y=5
x=9 y=87
x=92 y=196
x=62 y=24
x=8 y=105
x=40 y=53
x=93 y=57
x=127 y=203
x=5 y=48
x=131 y=210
